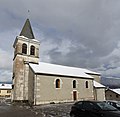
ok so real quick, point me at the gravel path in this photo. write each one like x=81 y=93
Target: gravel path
x=53 y=110
x=47 y=110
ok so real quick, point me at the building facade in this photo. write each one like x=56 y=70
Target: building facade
x=112 y=94
x=37 y=83
x=5 y=91
x=99 y=91
x=55 y=83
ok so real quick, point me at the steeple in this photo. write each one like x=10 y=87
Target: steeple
x=27 y=30
x=26 y=50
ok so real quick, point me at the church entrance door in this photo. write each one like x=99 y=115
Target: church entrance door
x=74 y=95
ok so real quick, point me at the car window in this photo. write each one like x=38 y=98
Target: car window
x=90 y=106
x=105 y=106
x=79 y=105
x=118 y=105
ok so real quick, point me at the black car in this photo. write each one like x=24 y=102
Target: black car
x=93 y=109
x=116 y=104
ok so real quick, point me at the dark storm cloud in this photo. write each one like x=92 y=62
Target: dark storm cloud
x=81 y=33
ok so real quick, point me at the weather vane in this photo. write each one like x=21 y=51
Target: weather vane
x=28 y=13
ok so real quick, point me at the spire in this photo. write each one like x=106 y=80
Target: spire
x=27 y=30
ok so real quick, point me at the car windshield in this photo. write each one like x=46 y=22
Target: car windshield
x=105 y=106
x=118 y=105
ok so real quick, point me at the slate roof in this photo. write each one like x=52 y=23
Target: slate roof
x=53 y=69
x=27 y=30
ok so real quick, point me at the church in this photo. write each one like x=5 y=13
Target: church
x=37 y=82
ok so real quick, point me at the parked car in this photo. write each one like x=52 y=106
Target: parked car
x=116 y=104
x=93 y=109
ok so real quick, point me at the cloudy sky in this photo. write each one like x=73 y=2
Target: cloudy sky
x=79 y=33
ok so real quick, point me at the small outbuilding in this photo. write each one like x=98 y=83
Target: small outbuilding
x=99 y=91
x=112 y=94
x=5 y=90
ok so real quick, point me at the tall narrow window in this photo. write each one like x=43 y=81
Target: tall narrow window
x=58 y=83
x=24 y=48
x=86 y=83
x=32 y=50
x=74 y=83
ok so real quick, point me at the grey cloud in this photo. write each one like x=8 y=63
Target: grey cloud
x=5 y=76
x=6 y=60
x=81 y=33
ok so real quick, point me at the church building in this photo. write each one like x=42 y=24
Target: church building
x=39 y=83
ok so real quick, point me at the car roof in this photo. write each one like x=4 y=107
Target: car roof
x=112 y=101
x=93 y=101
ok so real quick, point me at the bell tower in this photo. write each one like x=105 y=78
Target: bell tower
x=26 y=50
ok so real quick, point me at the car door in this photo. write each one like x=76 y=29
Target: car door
x=90 y=110
x=80 y=111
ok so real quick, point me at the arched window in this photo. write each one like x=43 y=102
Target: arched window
x=32 y=50
x=57 y=83
x=24 y=48
x=86 y=83
x=74 y=83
